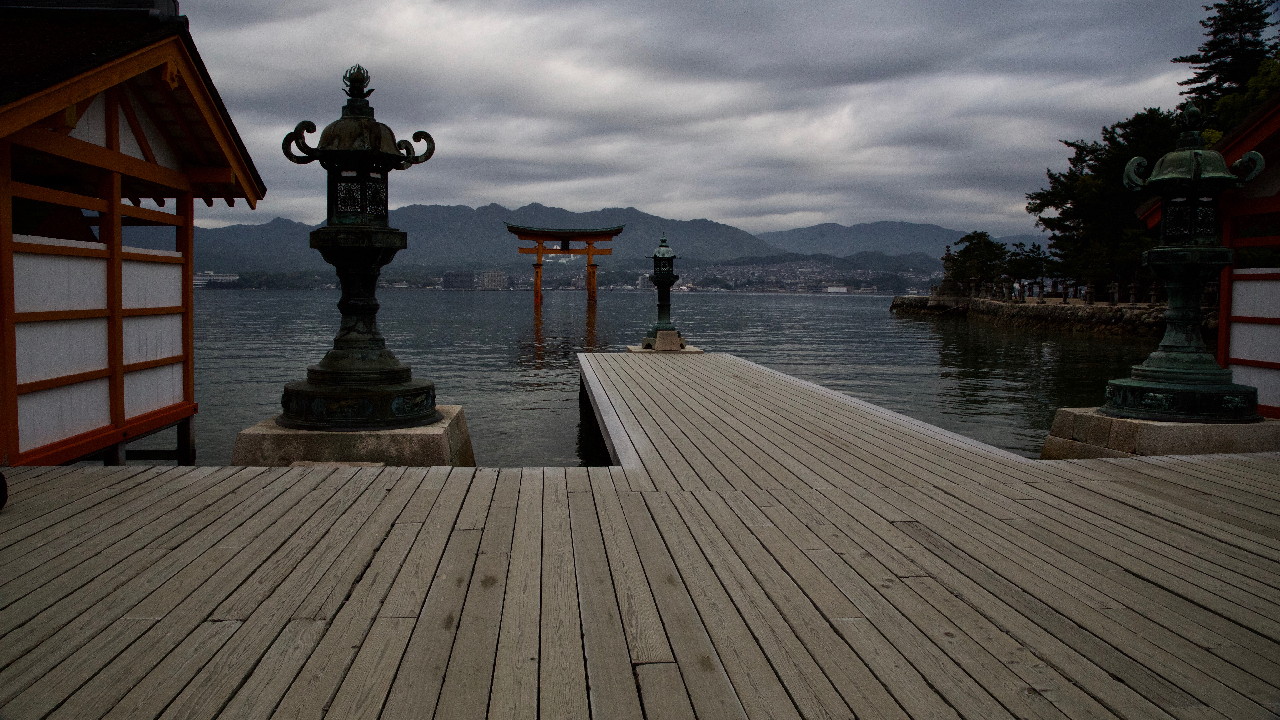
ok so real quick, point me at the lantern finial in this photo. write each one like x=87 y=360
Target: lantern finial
x=356 y=80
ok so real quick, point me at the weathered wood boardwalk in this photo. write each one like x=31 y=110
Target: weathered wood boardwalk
x=765 y=549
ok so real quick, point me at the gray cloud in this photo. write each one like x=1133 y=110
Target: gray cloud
x=762 y=114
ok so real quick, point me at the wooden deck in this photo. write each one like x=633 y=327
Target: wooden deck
x=765 y=549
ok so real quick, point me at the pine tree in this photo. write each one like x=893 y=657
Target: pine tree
x=1095 y=235
x=1236 y=44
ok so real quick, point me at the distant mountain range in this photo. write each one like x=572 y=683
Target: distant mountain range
x=457 y=236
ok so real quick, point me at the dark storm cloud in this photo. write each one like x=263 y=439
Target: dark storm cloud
x=764 y=114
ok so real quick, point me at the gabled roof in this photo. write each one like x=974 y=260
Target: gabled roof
x=52 y=59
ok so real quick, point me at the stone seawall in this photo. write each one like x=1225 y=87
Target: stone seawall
x=1076 y=316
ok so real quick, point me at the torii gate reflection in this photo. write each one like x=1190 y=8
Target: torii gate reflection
x=565 y=240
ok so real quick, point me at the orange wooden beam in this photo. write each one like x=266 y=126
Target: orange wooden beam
x=110 y=159
x=155 y=216
x=186 y=246
x=57 y=197
x=8 y=350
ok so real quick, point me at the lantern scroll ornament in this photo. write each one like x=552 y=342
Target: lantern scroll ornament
x=1180 y=381
x=359 y=385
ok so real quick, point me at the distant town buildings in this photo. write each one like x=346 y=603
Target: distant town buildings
x=492 y=280
x=209 y=277
x=458 y=280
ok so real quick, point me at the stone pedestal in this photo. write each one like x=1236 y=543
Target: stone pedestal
x=1086 y=433
x=663 y=341
x=445 y=442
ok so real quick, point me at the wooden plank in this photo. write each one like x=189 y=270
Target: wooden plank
x=134 y=586
x=365 y=688
x=319 y=679
x=326 y=530
x=1150 y=532
x=661 y=451
x=229 y=669
x=650 y=460
x=409 y=593
x=1189 y=667
x=710 y=691
x=274 y=675
x=417 y=683
x=1168 y=595
x=577 y=480
x=149 y=696
x=43 y=574
x=469 y=677
x=613 y=687
x=562 y=675
x=355 y=560
x=646 y=637
x=1123 y=685
x=743 y=660
x=618 y=442
x=46 y=522
x=515 y=670
x=1042 y=678
x=800 y=652
x=662 y=692
x=476 y=507
x=718 y=463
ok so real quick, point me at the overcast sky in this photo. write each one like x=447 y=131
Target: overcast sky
x=763 y=114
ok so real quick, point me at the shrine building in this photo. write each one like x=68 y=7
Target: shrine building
x=110 y=130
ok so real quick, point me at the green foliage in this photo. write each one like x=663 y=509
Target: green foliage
x=1095 y=235
x=1232 y=109
x=979 y=259
x=1025 y=263
x=1235 y=46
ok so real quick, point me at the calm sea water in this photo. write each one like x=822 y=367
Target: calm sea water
x=518 y=382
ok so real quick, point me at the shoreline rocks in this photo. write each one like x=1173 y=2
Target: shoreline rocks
x=1123 y=319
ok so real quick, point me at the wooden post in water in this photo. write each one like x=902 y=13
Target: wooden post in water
x=566 y=238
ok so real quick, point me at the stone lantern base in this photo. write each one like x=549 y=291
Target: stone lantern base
x=446 y=442
x=663 y=341
x=1087 y=433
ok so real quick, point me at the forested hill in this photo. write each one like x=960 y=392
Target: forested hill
x=445 y=236
x=890 y=238
x=457 y=236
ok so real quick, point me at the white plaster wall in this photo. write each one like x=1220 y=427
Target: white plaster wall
x=58 y=282
x=63 y=347
x=1266 y=380
x=152 y=389
x=128 y=142
x=159 y=146
x=1256 y=298
x=149 y=284
x=92 y=127
x=149 y=251
x=59 y=242
x=51 y=415
x=152 y=337
x=1251 y=341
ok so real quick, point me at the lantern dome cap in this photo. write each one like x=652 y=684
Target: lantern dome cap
x=356 y=139
x=663 y=250
x=1191 y=167
x=356 y=129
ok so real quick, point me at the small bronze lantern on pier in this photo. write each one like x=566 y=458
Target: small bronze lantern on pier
x=663 y=336
x=359 y=385
x=1180 y=381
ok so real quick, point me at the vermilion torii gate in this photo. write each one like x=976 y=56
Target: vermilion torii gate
x=565 y=240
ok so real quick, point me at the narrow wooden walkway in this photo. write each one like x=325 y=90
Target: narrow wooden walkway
x=790 y=552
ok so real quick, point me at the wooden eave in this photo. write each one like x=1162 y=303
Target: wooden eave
x=563 y=234
x=171 y=81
